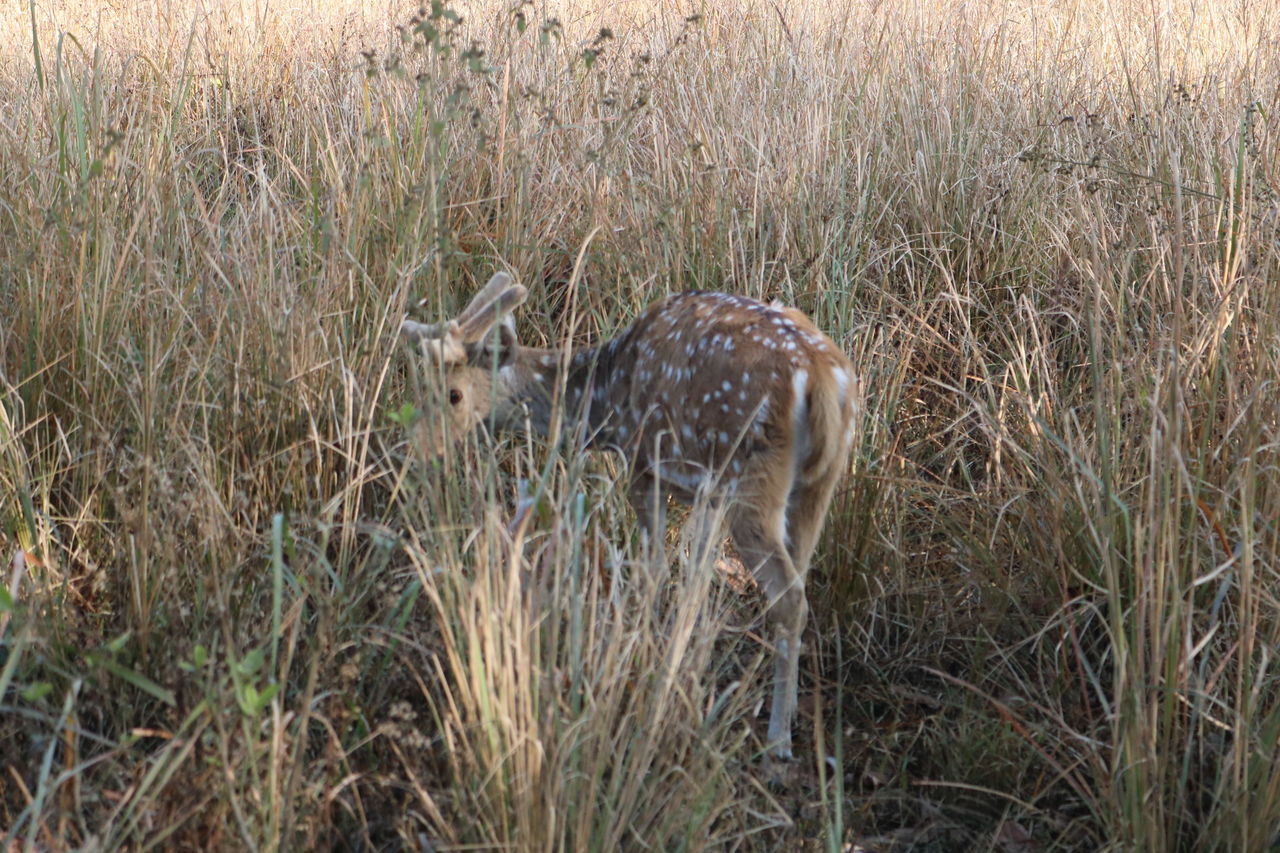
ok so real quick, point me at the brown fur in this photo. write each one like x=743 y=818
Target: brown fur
x=710 y=396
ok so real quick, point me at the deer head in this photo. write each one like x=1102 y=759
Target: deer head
x=463 y=357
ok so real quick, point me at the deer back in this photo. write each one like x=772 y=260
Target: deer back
x=713 y=388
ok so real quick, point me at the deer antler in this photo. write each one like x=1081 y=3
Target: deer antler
x=445 y=342
x=440 y=342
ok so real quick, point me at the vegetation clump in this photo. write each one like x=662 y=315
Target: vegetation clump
x=237 y=611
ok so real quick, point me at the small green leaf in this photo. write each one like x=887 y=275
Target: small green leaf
x=549 y=28
x=140 y=681
x=37 y=691
x=248 y=700
x=199 y=657
x=253 y=701
x=266 y=694
x=404 y=415
x=251 y=663
x=6 y=600
x=429 y=33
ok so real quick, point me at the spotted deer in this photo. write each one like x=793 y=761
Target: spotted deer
x=709 y=396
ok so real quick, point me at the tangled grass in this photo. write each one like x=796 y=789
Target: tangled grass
x=239 y=614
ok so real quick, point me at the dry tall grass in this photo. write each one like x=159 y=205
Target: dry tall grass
x=237 y=614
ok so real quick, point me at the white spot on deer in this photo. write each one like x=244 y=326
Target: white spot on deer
x=799 y=418
x=780 y=530
x=842 y=379
x=762 y=410
x=689 y=479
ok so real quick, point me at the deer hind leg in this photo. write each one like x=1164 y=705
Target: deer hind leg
x=806 y=514
x=760 y=535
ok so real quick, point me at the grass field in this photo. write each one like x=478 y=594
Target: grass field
x=236 y=612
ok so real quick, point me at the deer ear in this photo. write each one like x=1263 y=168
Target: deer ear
x=441 y=342
x=498 y=348
x=479 y=319
x=498 y=284
x=508 y=341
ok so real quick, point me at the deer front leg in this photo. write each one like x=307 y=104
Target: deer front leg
x=759 y=539
x=650 y=505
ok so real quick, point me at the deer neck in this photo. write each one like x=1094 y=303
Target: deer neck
x=539 y=382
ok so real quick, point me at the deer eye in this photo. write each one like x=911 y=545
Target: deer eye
x=455 y=396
